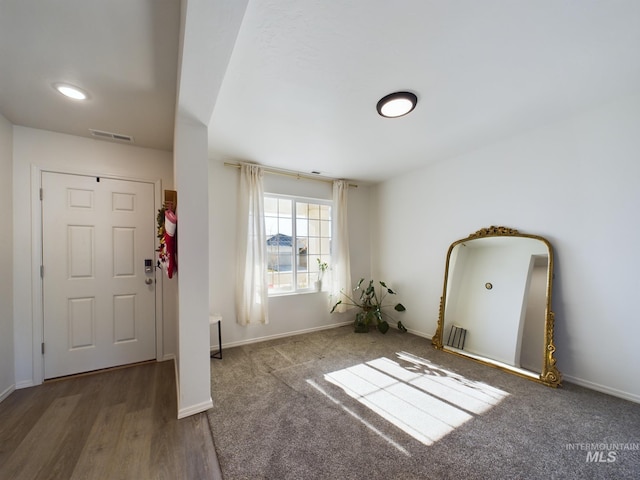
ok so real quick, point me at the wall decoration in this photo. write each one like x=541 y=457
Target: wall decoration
x=167 y=221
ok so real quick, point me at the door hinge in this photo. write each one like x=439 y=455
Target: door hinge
x=41 y=271
x=41 y=194
x=43 y=348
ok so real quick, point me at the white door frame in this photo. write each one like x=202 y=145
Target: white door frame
x=37 y=313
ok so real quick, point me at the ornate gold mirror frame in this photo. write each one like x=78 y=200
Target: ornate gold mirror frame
x=548 y=374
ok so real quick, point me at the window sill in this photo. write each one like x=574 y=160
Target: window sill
x=299 y=292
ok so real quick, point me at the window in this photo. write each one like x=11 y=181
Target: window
x=298 y=234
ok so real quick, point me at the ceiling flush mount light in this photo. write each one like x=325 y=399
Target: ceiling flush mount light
x=397 y=104
x=71 y=91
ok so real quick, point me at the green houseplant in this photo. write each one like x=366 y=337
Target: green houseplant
x=322 y=267
x=371 y=304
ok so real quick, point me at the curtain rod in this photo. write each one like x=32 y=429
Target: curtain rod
x=290 y=174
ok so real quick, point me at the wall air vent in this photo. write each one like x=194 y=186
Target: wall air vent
x=117 y=137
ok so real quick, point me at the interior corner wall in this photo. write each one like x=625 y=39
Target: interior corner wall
x=68 y=153
x=7 y=368
x=288 y=314
x=191 y=174
x=574 y=182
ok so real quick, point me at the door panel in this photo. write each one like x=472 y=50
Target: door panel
x=80 y=251
x=98 y=310
x=124 y=244
x=82 y=321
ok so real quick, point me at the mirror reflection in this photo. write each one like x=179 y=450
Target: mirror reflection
x=496 y=302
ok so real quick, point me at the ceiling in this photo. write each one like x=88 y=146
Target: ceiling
x=301 y=85
x=124 y=53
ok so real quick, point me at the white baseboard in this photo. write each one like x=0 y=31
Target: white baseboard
x=177 y=375
x=300 y=332
x=168 y=356
x=193 y=409
x=279 y=335
x=579 y=381
x=25 y=384
x=419 y=334
x=8 y=391
x=602 y=388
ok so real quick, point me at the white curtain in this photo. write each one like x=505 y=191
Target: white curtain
x=251 y=275
x=340 y=265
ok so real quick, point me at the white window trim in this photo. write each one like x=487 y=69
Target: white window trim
x=300 y=199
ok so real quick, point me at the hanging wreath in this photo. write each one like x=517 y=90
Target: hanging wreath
x=162 y=250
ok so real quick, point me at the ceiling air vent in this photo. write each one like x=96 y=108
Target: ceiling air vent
x=117 y=137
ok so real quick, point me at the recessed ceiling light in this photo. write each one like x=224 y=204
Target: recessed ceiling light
x=71 y=91
x=397 y=104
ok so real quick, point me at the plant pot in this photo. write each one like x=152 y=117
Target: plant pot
x=360 y=327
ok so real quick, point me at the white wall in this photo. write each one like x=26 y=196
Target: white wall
x=203 y=61
x=574 y=182
x=48 y=150
x=7 y=370
x=194 y=379
x=290 y=313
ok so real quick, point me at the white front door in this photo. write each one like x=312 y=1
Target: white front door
x=98 y=301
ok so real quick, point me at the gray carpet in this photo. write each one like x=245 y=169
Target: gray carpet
x=281 y=411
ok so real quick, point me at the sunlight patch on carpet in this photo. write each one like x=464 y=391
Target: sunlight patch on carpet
x=358 y=417
x=422 y=399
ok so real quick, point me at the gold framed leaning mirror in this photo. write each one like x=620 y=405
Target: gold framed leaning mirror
x=496 y=303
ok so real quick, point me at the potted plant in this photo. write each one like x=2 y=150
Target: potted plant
x=322 y=267
x=371 y=304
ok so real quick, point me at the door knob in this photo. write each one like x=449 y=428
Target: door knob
x=148 y=281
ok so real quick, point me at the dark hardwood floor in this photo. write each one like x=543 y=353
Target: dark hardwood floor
x=117 y=424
